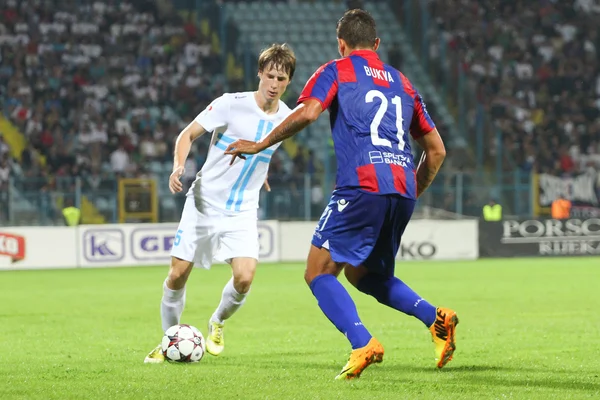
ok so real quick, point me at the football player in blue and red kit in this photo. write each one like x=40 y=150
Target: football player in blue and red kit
x=373 y=107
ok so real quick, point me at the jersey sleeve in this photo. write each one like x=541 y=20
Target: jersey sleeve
x=421 y=123
x=215 y=115
x=321 y=86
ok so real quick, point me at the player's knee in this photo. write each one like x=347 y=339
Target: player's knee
x=176 y=279
x=243 y=275
x=178 y=273
x=311 y=273
x=308 y=276
x=319 y=262
x=242 y=282
x=315 y=270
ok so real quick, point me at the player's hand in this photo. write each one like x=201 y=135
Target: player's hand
x=175 y=185
x=240 y=147
x=266 y=185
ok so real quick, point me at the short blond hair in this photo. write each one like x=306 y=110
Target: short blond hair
x=280 y=56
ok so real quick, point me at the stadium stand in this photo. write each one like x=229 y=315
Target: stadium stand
x=98 y=90
x=535 y=67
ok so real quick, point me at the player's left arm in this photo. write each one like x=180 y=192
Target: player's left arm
x=266 y=184
x=431 y=161
x=423 y=130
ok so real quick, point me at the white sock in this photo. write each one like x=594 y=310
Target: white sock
x=231 y=300
x=171 y=306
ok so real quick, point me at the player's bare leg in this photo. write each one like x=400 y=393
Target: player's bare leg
x=319 y=262
x=233 y=297
x=355 y=274
x=396 y=293
x=335 y=302
x=173 y=301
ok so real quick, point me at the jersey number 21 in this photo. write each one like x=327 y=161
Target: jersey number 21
x=397 y=101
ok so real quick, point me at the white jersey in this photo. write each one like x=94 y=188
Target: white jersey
x=235 y=188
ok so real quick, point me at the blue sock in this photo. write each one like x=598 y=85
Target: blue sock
x=394 y=293
x=337 y=305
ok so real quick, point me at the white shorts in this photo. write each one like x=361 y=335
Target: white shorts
x=205 y=234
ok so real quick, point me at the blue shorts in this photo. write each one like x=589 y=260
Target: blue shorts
x=360 y=228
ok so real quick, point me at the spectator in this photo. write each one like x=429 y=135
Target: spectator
x=119 y=161
x=4 y=149
x=4 y=174
x=536 y=67
x=4 y=189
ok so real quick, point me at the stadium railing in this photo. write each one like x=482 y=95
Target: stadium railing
x=39 y=201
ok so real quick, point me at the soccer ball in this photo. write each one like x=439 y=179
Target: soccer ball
x=183 y=343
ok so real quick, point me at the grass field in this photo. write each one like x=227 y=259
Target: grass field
x=529 y=329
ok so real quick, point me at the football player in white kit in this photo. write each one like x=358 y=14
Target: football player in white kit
x=219 y=218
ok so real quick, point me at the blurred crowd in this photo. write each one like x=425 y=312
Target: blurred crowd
x=100 y=89
x=536 y=68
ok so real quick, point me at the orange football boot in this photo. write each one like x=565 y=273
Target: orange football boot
x=443 y=333
x=361 y=359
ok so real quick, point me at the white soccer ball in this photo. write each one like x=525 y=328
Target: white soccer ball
x=183 y=343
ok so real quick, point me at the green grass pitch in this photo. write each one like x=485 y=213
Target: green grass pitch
x=530 y=329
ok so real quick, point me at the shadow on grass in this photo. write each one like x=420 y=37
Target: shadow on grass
x=484 y=375
x=503 y=376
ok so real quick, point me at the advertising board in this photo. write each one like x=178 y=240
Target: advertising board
x=150 y=244
x=540 y=237
x=37 y=247
x=439 y=240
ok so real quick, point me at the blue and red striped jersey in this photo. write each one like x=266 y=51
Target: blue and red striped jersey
x=372 y=109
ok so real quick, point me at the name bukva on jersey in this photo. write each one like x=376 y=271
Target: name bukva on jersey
x=379 y=74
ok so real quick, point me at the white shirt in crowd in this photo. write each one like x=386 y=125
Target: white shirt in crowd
x=119 y=160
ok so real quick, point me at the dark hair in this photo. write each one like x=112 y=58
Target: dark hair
x=280 y=56
x=358 y=29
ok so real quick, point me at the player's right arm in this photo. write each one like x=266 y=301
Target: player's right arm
x=213 y=117
x=316 y=97
x=183 y=144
